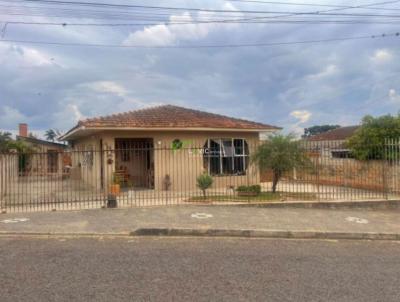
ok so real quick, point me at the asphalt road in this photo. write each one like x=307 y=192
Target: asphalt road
x=172 y=269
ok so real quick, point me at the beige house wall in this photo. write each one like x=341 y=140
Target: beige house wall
x=8 y=172
x=183 y=166
x=86 y=162
x=37 y=161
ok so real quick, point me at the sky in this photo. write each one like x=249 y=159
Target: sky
x=292 y=86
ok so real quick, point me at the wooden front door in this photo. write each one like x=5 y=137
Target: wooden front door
x=52 y=161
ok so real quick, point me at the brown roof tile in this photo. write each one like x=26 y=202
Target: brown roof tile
x=169 y=116
x=341 y=133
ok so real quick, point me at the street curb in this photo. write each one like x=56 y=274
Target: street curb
x=56 y=234
x=173 y=232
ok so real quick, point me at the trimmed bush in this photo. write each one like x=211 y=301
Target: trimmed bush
x=255 y=189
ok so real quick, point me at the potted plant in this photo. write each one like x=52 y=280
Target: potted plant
x=115 y=188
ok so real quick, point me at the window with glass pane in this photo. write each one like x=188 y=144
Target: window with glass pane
x=226 y=156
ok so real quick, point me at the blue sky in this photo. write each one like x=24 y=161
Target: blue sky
x=293 y=86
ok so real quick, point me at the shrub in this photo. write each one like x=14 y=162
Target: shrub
x=249 y=189
x=204 y=181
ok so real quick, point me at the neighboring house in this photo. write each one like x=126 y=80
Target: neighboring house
x=332 y=143
x=46 y=157
x=165 y=144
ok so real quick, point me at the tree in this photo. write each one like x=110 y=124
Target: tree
x=204 y=181
x=318 y=129
x=20 y=146
x=369 y=139
x=7 y=144
x=50 y=135
x=5 y=139
x=280 y=154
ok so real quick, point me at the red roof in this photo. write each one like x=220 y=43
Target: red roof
x=338 y=134
x=169 y=116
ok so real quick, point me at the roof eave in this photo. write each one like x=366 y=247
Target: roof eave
x=73 y=132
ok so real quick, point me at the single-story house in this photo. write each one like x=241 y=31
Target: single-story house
x=332 y=143
x=45 y=158
x=164 y=148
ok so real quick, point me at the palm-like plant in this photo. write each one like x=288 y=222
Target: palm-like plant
x=52 y=134
x=204 y=181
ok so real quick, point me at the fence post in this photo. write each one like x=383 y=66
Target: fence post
x=385 y=158
x=319 y=158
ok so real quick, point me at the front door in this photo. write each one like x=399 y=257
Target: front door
x=135 y=161
x=52 y=161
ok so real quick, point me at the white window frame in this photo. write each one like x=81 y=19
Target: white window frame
x=221 y=154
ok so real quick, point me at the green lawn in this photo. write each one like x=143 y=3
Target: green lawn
x=263 y=197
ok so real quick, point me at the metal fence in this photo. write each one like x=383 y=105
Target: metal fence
x=144 y=175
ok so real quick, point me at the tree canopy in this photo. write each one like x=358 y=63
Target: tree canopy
x=280 y=154
x=5 y=139
x=7 y=143
x=318 y=129
x=369 y=139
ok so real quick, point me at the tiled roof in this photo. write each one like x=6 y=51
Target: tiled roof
x=169 y=116
x=38 y=141
x=341 y=133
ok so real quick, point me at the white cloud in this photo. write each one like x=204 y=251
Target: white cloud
x=67 y=117
x=132 y=103
x=108 y=87
x=394 y=96
x=11 y=117
x=26 y=56
x=302 y=116
x=328 y=71
x=77 y=115
x=382 y=56
x=165 y=35
x=158 y=35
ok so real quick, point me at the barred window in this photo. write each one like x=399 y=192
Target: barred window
x=226 y=156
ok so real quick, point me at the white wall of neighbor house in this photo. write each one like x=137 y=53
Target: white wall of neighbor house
x=86 y=162
x=8 y=172
x=38 y=161
x=182 y=166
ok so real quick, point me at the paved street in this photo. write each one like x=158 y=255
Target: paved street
x=200 y=269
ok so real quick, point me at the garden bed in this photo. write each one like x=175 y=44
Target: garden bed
x=262 y=197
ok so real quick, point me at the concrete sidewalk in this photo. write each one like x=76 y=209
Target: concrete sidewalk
x=210 y=221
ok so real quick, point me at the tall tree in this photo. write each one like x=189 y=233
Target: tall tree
x=369 y=139
x=280 y=154
x=318 y=129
